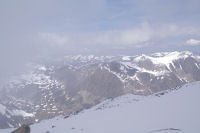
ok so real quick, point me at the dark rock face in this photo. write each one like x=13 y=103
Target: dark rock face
x=82 y=82
x=22 y=129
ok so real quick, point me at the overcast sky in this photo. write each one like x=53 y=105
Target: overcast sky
x=34 y=29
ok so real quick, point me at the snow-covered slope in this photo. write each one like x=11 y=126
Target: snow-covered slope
x=174 y=111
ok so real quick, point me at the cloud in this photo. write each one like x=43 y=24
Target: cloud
x=133 y=37
x=54 y=39
x=125 y=38
x=141 y=36
x=165 y=30
x=193 y=42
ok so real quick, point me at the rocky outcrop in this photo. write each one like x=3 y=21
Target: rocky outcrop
x=22 y=129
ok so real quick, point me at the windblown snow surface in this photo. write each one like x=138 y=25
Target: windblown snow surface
x=175 y=111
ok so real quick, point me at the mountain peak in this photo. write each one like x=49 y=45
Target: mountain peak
x=164 y=57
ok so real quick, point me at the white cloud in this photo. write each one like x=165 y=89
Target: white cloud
x=193 y=42
x=136 y=37
x=174 y=30
x=54 y=39
x=142 y=36
x=131 y=37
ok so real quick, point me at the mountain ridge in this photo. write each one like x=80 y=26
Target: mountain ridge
x=76 y=85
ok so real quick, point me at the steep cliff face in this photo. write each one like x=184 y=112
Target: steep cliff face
x=84 y=81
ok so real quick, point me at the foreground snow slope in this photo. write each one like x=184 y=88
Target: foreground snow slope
x=176 y=111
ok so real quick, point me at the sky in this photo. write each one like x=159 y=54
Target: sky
x=31 y=30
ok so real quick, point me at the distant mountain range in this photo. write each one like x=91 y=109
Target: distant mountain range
x=80 y=82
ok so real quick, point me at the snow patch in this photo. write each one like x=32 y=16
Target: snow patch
x=2 y=109
x=126 y=58
x=21 y=113
x=42 y=68
x=165 y=58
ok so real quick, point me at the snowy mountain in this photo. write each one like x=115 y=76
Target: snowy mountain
x=170 y=111
x=79 y=82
